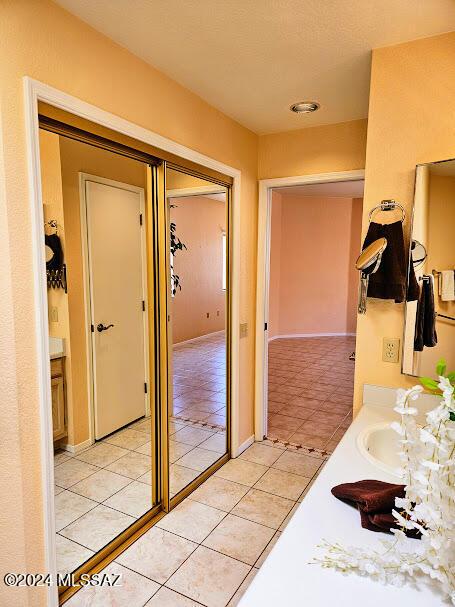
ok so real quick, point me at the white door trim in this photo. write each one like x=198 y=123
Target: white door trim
x=35 y=91
x=263 y=274
x=88 y=295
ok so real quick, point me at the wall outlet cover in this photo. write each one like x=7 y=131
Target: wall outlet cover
x=391 y=349
x=53 y=314
x=243 y=329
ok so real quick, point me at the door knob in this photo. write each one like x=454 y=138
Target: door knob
x=101 y=327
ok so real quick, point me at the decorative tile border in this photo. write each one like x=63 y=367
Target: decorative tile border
x=298 y=447
x=198 y=423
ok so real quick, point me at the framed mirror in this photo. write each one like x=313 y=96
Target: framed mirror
x=430 y=322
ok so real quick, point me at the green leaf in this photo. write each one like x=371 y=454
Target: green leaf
x=441 y=367
x=429 y=383
x=452 y=416
x=451 y=377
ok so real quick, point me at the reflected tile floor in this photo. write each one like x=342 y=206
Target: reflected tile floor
x=210 y=547
x=310 y=390
x=199 y=381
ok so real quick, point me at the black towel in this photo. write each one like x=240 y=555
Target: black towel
x=389 y=281
x=425 y=329
x=54 y=243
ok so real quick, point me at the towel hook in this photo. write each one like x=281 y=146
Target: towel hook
x=388 y=205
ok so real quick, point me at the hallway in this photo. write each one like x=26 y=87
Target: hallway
x=310 y=390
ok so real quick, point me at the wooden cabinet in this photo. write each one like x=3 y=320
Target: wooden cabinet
x=58 y=398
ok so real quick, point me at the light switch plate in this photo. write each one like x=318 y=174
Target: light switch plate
x=391 y=349
x=53 y=314
x=243 y=329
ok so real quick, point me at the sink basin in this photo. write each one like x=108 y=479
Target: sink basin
x=379 y=444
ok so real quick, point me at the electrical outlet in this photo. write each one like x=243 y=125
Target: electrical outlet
x=243 y=329
x=217 y=312
x=208 y=314
x=53 y=314
x=391 y=349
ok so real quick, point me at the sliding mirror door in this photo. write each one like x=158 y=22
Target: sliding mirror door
x=198 y=213
x=101 y=345
x=430 y=321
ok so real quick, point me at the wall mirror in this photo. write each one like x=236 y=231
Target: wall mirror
x=198 y=304
x=429 y=333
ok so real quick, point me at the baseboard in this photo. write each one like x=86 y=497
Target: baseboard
x=291 y=335
x=199 y=338
x=244 y=446
x=75 y=449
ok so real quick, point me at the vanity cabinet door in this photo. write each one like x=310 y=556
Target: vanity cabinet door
x=58 y=407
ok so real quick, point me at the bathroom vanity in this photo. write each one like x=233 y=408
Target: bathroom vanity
x=289 y=578
x=57 y=356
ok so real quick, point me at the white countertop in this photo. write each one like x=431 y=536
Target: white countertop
x=56 y=347
x=286 y=578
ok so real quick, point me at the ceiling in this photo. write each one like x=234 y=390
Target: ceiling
x=344 y=189
x=252 y=58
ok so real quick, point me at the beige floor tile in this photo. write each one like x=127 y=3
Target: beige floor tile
x=192 y=436
x=101 y=454
x=240 y=538
x=177 y=450
x=165 y=597
x=263 y=508
x=289 y=516
x=241 y=471
x=58 y=490
x=268 y=549
x=175 y=426
x=101 y=485
x=157 y=554
x=180 y=477
x=135 y=499
x=144 y=425
x=145 y=449
x=145 y=478
x=135 y=590
x=70 y=555
x=298 y=463
x=209 y=577
x=98 y=527
x=198 y=459
x=71 y=472
x=61 y=456
x=217 y=443
x=261 y=454
x=243 y=588
x=219 y=493
x=192 y=520
x=131 y=465
x=128 y=439
x=69 y=507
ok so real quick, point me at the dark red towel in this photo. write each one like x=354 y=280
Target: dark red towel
x=375 y=501
x=370 y=495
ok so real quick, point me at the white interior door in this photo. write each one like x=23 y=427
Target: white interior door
x=117 y=292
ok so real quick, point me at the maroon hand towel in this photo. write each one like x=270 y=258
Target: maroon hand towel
x=369 y=495
x=384 y=522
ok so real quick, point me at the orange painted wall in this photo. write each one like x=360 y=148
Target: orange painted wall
x=200 y=223
x=319 y=149
x=318 y=240
x=41 y=40
x=412 y=104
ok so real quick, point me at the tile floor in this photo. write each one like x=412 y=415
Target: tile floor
x=310 y=390
x=209 y=548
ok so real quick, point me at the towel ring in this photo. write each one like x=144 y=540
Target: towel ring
x=388 y=205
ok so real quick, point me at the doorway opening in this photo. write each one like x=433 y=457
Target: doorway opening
x=308 y=298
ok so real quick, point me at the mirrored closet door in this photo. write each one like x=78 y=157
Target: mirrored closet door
x=95 y=203
x=198 y=216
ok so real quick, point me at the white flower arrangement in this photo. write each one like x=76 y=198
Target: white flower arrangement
x=428 y=472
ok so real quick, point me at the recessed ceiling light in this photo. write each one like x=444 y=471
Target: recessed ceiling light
x=304 y=107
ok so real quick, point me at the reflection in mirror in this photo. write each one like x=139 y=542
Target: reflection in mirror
x=98 y=348
x=198 y=406
x=430 y=322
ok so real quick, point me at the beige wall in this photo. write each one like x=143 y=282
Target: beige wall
x=41 y=40
x=200 y=222
x=313 y=282
x=320 y=149
x=412 y=102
